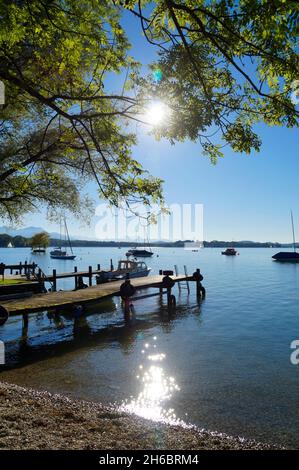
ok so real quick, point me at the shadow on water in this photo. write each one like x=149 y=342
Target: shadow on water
x=55 y=333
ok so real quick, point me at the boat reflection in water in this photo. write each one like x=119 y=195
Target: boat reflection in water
x=156 y=389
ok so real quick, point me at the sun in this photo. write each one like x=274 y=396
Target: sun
x=156 y=113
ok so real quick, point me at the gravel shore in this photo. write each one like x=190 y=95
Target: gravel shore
x=31 y=419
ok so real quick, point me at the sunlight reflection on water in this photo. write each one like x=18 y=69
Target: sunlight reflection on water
x=157 y=389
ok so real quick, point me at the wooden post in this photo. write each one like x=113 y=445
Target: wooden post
x=168 y=296
x=25 y=321
x=160 y=288
x=76 y=278
x=99 y=267
x=25 y=324
x=200 y=290
x=20 y=267
x=54 y=280
x=25 y=268
x=198 y=284
x=39 y=274
x=90 y=275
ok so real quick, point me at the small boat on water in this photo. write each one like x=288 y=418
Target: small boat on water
x=133 y=268
x=38 y=250
x=139 y=253
x=288 y=256
x=230 y=252
x=59 y=252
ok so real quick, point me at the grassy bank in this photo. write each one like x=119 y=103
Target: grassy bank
x=40 y=420
x=12 y=281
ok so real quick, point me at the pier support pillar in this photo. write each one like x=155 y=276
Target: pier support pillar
x=54 y=281
x=90 y=275
x=25 y=324
x=168 y=283
x=161 y=287
x=76 y=278
x=25 y=321
x=200 y=290
x=3 y=315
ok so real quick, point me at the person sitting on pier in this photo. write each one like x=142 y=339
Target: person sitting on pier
x=81 y=284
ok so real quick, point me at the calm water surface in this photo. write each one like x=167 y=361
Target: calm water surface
x=223 y=365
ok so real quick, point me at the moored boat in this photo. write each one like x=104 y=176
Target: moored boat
x=139 y=253
x=125 y=267
x=288 y=256
x=38 y=250
x=230 y=252
x=60 y=253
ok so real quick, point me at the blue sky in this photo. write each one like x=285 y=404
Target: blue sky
x=244 y=197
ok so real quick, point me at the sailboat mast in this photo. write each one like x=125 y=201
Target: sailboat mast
x=294 y=242
x=60 y=234
x=68 y=237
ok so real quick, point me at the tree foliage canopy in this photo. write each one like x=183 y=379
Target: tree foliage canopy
x=223 y=66
x=59 y=127
x=40 y=240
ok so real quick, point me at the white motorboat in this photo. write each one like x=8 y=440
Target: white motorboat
x=126 y=267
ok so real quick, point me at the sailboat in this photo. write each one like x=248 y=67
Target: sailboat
x=288 y=256
x=140 y=252
x=60 y=253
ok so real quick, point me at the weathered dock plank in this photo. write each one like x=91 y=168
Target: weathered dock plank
x=58 y=299
x=50 y=277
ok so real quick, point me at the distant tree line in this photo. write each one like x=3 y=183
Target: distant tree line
x=19 y=241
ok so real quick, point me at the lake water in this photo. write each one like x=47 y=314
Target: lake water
x=223 y=364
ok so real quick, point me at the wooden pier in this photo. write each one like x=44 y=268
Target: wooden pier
x=64 y=299
x=52 y=278
x=32 y=272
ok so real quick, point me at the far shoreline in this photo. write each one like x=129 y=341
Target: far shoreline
x=25 y=243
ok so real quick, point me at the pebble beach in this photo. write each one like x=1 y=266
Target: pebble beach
x=32 y=419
